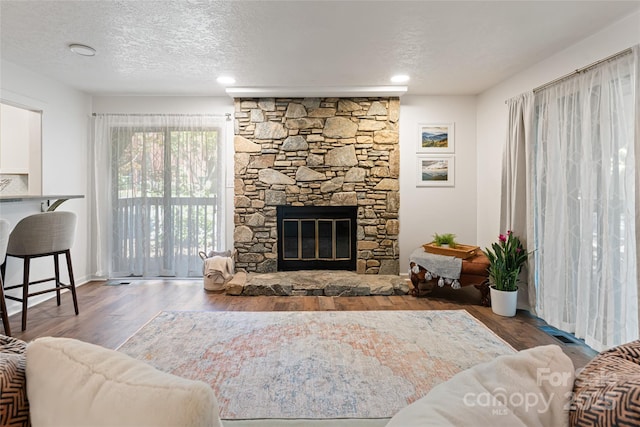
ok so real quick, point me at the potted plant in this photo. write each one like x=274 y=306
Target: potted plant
x=446 y=240
x=506 y=258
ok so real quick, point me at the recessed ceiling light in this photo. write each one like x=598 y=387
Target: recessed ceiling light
x=82 y=49
x=226 y=80
x=400 y=78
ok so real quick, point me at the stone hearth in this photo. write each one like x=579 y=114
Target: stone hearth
x=317 y=152
x=318 y=283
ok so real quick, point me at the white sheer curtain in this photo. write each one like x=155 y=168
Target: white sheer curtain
x=159 y=191
x=584 y=181
x=515 y=206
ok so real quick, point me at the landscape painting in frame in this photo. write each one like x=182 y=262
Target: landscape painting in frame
x=436 y=138
x=435 y=171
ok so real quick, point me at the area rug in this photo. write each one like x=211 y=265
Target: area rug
x=315 y=365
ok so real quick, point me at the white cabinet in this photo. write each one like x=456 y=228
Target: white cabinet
x=20 y=141
x=15 y=140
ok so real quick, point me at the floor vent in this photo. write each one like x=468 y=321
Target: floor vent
x=117 y=283
x=564 y=337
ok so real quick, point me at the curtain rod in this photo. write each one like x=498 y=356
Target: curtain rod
x=583 y=69
x=226 y=115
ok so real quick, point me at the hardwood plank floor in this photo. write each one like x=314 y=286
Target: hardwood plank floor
x=111 y=314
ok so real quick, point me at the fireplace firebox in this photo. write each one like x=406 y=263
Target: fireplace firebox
x=316 y=237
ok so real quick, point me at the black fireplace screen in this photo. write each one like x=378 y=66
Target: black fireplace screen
x=316 y=237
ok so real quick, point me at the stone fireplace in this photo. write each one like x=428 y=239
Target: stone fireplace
x=316 y=152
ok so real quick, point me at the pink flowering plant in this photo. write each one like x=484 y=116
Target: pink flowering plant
x=506 y=258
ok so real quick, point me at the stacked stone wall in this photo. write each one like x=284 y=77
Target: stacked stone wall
x=317 y=152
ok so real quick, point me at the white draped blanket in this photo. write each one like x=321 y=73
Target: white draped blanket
x=222 y=266
x=448 y=267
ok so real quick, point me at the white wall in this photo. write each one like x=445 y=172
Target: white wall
x=65 y=114
x=163 y=104
x=492 y=111
x=182 y=105
x=428 y=210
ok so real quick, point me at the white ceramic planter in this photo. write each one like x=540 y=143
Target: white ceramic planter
x=504 y=303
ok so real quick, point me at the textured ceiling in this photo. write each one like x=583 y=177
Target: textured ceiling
x=180 y=47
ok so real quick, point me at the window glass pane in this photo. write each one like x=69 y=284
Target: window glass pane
x=165 y=186
x=325 y=239
x=193 y=161
x=140 y=165
x=191 y=184
x=343 y=238
x=308 y=239
x=290 y=239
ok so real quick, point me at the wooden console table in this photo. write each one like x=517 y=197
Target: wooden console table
x=474 y=272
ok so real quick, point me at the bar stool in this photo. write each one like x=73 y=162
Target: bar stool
x=40 y=235
x=4 y=239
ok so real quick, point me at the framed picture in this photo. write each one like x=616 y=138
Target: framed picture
x=435 y=171
x=436 y=138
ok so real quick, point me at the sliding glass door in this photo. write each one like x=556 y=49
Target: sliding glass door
x=166 y=188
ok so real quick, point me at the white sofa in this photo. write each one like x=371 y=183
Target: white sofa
x=72 y=383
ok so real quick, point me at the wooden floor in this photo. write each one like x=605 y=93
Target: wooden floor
x=111 y=314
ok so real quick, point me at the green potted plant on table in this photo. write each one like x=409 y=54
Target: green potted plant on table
x=506 y=258
x=446 y=240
